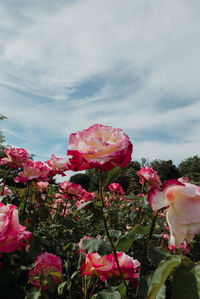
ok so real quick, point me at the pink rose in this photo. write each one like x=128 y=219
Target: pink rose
x=106 y=267
x=50 y=264
x=149 y=175
x=71 y=188
x=57 y=165
x=12 y=235
x=100 y=147
x=42 y=186
x=15 y=157
x=5 y=190
x=115 y=187
x=183 y=212
x=33 y=170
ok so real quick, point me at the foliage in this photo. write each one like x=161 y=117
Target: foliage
x=81 y=179
x=166 y=169
x=190 y=168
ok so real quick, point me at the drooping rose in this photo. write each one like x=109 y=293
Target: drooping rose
x=148 y=174
x=13 y=236
x=116 y=188
x=57 y=165
x=33 y=170
x=16 y=157
x=106 y=267
x=100 y=147
x=50 y=264
x=183 y=212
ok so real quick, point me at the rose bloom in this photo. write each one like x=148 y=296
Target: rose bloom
x=15 y=157
x=115 y=187
x=6 y=191
x=71 y=188
x=183 y=209
x=57 y=165
x=12 y=235
x=106 y=267
x=100 y=147
x=50 y=264
x=148 y=174
x=42 y=186
x=33 y=170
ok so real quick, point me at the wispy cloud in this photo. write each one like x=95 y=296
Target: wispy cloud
x=66 y=65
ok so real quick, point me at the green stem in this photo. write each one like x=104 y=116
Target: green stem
x=153 y=225
x=108 y=235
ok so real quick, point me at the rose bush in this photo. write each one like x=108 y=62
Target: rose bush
x=122 y=237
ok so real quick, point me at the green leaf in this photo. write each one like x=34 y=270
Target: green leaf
x=108 y=294
x=122 y=289
x=84 y=205
x=61 y=287
x=125 y=242
x=184 y=284
x=96 y=245
x=162 y=293
x=197 y=276
x=34 y=294
x=144 y=282
x=164 y=269
x=156 y=254
x=112 y=175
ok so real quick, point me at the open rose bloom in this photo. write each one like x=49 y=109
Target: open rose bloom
x=50 y=264
x=100 y=147
x=57 y=165
x=33 y=170
x=183 y=213
x=106 y=267
x=116 y=188
x=13 y=236
x=148 y=174
x=15 y=157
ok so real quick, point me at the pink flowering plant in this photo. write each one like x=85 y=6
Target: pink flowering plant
x=117 y=231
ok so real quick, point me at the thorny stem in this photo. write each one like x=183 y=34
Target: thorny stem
x=109 y=237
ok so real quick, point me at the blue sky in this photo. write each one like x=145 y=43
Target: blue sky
x=133 y=64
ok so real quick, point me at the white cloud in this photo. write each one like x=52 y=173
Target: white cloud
x=140 y=52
